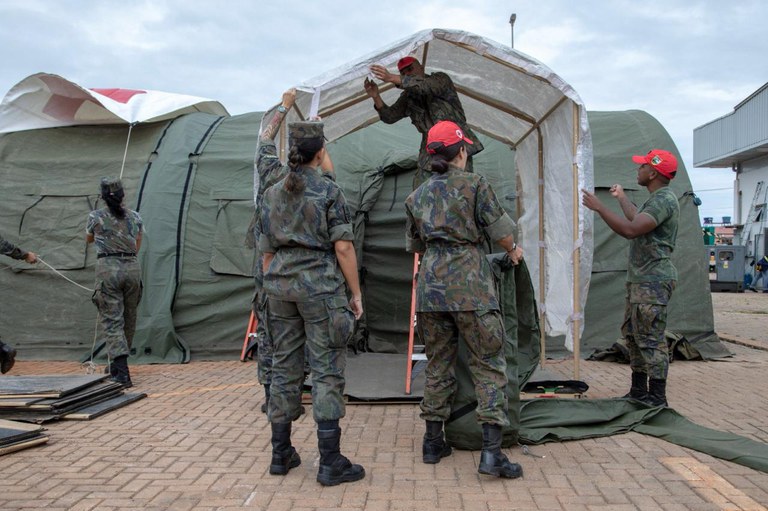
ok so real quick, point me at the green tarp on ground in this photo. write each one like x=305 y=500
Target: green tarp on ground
x=521 y=350
x=559 y=420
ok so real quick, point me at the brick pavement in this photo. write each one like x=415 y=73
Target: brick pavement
x=198 y=442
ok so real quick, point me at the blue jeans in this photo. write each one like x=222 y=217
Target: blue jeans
x=762 y=277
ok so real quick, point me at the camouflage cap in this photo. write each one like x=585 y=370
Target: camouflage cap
x=111 y=185
x=305 y=130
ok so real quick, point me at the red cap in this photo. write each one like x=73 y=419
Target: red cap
x=405 y=62
x=446 y=133
x=662 y=161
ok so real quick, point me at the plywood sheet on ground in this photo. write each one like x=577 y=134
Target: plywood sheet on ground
x=46 y=386
x=93 y=411
x=23 y=444
x=12 y=431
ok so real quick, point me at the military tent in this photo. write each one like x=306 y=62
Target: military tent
x=191 y=178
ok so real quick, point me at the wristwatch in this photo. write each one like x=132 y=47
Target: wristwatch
x=282 y=109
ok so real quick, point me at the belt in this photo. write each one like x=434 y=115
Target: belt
x=117 y=254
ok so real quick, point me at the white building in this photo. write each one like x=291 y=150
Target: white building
x=739 y=140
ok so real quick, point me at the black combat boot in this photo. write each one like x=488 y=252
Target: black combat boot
x=492 y=461
x=265 y=405
x=284 y=456
x=639 y=389
x=335 y=468
x=120 y=373
x=657 y=392
x=7 y=357
x=434 y=447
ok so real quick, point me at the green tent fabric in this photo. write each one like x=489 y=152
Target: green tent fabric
x=192 y=181
x=198 y=274
x=521 y=348
x=559 y=420
x=164 y=206
x=50 y=182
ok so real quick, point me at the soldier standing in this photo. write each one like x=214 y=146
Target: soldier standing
x=117 y=232
x=448 y=218
x=309 y=264
x=651 y=276
x=7 y=353
x=426 y=99
x=271 y=170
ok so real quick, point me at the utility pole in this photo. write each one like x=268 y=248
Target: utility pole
x=512 y=19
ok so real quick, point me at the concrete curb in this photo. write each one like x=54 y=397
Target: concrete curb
x=749 y=343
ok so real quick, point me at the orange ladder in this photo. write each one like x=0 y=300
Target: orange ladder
x=250 y=336
x=413 y=357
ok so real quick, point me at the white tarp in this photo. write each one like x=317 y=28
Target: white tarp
x=47 y=101
x=516 y=99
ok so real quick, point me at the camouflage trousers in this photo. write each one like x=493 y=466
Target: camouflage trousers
x=645 y=319
x=323 y=328
x=483 y=334
x=117 y=295
x=264 y=341
x=265 y=347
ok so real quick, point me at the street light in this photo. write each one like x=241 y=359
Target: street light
x=512 y=26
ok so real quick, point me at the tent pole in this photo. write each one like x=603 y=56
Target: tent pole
x=576 y=323
x=542 y=257
x=125 y=153
x=543 y=118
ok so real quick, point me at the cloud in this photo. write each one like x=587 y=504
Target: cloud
x=128 y=27
x=552 y=42
x=479 y=18
x=709 y=92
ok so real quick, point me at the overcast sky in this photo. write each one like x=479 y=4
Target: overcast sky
x=684 y=62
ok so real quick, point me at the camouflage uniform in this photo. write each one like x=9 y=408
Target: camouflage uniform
x=650 y=281
x=118 y=276
x=307 y=295
x=270 y=170
x=9 y=249
x=427 y=100
x=448 y=218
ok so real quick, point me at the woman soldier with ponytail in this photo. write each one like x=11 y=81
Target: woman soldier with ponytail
x=448 y=219
x=117 y=232
x=310 y=269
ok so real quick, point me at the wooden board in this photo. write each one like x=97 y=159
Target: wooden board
x=46 y=386
x=81 y=396
x=24 y=444
x=40 y=416
x=103 y=407
x=12 y=431
x=18 y=402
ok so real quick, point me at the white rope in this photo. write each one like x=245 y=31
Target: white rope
x=125 y=154
x=90 y=367
x=527 y=452
x=63 y=276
